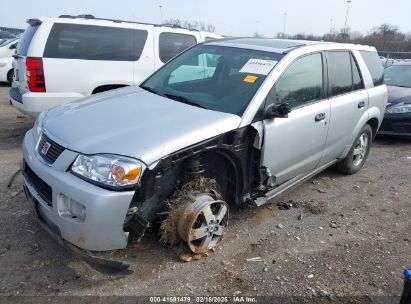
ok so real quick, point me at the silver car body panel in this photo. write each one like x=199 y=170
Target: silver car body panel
x=102 y=228
x=135 y=123
x=294 y=145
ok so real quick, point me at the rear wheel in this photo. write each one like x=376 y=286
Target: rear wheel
x=10 y=75
x=359 y=152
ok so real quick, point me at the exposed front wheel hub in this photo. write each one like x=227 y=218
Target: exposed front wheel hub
x=203 y=223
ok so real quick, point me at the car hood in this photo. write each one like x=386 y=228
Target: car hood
x=398 y=94
x=135 y=123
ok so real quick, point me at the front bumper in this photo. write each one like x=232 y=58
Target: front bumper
x=105 y=266
x=396 y=125
x=102 y=227
x=3 y=73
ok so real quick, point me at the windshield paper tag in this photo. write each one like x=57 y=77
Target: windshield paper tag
x=258 y=66
x=250 y=79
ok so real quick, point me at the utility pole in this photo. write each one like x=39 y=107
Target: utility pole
x=161 y=14
x=331 y=25
x=285 y=23
x=346 y=16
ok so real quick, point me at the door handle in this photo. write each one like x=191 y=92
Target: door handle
x=319 y=117
x=361 y=104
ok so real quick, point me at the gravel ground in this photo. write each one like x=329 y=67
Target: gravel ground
x=348 y=236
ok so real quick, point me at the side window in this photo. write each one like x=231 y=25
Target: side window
x=374 y=65
x=339 y=72
x=172 y=44
x=89 y=42
x=356 y=76
x=301 y=83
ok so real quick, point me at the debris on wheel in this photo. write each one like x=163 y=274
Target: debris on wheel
x=197 y=216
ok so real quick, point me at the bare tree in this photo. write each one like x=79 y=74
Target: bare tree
x=192 y=25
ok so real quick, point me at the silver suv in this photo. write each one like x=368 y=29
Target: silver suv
x=224 y=123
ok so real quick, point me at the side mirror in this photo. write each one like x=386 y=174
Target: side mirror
x=277 y=110
x=13 y=46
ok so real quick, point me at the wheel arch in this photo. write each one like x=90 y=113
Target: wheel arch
x=107 y=87
x=374 y=124
x=223 y=166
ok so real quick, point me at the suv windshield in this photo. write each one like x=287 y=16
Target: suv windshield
x=398 y=75
x=214 y=77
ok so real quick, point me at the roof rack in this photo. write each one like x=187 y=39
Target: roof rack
x=89 y=16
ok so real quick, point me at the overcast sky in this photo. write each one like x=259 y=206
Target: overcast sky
x=230 y=17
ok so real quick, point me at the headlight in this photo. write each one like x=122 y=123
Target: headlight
x=399 y=108
x=112 y=171
x=38 y=125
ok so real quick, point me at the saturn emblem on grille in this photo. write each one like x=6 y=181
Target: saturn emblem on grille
x=45 y=148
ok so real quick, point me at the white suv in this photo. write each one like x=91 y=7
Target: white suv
x=62 y=59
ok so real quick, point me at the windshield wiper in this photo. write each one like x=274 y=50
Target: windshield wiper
x=400 y=85
x=151 y=90
x=184 y=100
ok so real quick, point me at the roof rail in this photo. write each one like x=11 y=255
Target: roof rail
x=89 y=16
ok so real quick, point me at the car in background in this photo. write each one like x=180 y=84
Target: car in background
x=62 y=59
x=397 y=118
x=6 y=35
x=6 y=69
x=8 y=47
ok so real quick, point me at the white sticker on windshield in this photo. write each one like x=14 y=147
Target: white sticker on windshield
x=258 y=66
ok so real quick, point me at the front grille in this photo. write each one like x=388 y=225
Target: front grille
x=39 y=185
x=52 y=153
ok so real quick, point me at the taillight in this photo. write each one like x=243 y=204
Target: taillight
x=35 y=74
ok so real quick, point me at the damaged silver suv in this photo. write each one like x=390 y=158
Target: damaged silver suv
x=224 y=123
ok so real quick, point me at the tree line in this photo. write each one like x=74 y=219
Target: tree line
x=385 y=38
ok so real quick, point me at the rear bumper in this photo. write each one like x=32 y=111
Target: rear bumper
x=33 y=104
x=396 y=125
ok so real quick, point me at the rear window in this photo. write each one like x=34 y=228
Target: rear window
x=343 y=73
x=373 y=63
x=339 y=71
x=172 y=44
x=25 y=40
x=88 y=42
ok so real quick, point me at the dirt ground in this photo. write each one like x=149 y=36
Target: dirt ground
x=348 y=236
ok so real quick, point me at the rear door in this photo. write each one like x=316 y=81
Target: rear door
x=169 y=43
x=293 y=146
x=349 y=102
x=19 y=63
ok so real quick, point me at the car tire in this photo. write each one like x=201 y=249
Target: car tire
x=196 y=215
x=10 y=75
x=358 y=154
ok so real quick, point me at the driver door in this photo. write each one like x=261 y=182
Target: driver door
x=293 y=146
